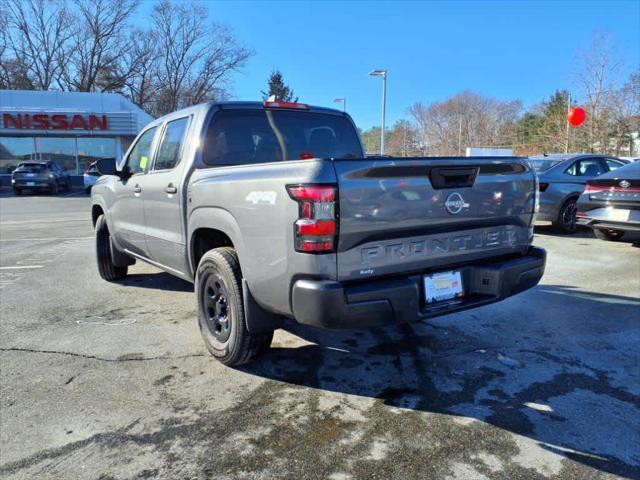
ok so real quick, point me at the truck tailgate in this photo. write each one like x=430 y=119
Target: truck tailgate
x=404 y=215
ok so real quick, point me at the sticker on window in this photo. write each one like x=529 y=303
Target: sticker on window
x=143 y=162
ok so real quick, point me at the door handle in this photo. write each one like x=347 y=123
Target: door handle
x=137 y=189
x=170 y=188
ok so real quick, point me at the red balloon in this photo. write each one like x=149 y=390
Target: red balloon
x=576 y=116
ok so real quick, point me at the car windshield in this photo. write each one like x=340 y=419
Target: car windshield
x=30 y=167
x=259 y=136
x=542 y=164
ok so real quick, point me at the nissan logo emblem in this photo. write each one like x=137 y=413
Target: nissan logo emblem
x=625 y=184
x=454 y=203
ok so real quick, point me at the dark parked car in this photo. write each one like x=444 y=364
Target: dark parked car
x=562 y=179
x=40 y=176
x=610 y=203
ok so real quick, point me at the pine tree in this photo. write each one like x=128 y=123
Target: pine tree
x=278 y=89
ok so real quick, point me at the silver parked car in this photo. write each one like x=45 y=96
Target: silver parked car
x=610 y=203
x=562 y=180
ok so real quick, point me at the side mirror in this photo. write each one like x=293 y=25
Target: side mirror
x=107 y=166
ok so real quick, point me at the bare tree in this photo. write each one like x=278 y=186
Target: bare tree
x=195 y=56
x=99 y=41
x=139 y=67
x=464 y=120
x=598 y=76
x=624 y=122
x=37 y=35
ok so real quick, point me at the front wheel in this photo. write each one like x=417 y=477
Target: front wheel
x=221 y=314
x=608 y=234
x=107 y=270
x=566 y=221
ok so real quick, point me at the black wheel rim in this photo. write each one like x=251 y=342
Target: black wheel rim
x=569 y=216
x=216 y=306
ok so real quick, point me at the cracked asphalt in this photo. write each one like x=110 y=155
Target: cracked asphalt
x=111 y=381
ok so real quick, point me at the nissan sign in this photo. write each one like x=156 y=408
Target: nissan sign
x=56 y=121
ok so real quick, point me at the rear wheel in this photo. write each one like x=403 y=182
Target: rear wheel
x=107 y=270
x=608 y=234
x=566 y=221
x=221 y=314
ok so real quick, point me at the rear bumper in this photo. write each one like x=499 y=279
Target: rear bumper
x=24 y=184
x=329 y=304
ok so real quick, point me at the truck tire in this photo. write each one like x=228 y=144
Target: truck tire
x=220 y=306
x=566 y=221
x=107 y=270
x=53 y=188
x=608 y=234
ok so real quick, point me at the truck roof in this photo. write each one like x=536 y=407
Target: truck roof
x=240 y=105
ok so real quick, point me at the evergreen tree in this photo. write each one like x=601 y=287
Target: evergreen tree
x=278 y=89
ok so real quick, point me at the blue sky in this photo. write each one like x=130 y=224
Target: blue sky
x=432 y=49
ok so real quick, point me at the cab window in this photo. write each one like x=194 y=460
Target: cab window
x=260 y=136
x=613 y=164
x=171 y=145
x=589 y=167
x=138 y=159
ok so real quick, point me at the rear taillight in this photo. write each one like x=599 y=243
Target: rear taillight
x=315 y=231
x=543 y=186
x=594 y=188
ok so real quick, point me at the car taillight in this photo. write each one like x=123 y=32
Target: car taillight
x=594 y=189
x=543 y=186
x=315 y=231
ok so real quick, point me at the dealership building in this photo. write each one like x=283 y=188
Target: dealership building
x=71 y=128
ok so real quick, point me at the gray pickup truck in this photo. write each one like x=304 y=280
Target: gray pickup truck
x=273 y=210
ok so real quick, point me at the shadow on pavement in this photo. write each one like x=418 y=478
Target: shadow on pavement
x=541 y=381
x=157 y=281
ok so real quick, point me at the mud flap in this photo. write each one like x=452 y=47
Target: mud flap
x=258 y=319
x=118 y=258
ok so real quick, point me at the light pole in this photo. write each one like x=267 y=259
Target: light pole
x=383 y=74
x=343 y=101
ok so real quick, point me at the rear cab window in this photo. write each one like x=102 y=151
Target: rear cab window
x=245 y=136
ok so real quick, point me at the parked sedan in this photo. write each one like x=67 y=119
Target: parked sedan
x=562 y=179
x=610 y=203
x=40 y=176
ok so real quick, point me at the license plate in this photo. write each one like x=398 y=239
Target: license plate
x=619 y=215
x=31 y=184
x=31 y=175
x=443 y=286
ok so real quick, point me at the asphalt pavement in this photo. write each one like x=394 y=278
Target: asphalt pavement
x=111 y=380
